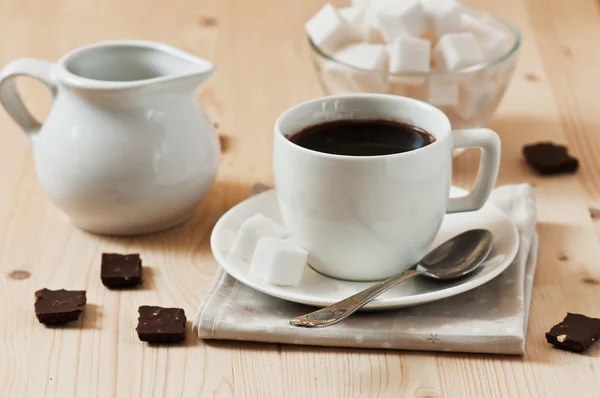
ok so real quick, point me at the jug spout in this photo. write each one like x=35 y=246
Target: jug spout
x=131 y=63
x=178 y=65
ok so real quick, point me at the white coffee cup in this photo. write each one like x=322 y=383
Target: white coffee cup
x=366 y=218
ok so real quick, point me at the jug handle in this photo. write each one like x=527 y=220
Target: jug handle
x=10 y=97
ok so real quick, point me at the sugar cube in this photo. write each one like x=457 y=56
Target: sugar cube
x=251 y=230
x=474 y=96
x=456 y=51
x=442 y=90
x=329 y=31
x=397 y=18
x=370 y=29
x=409 y=89
x=353 y=14
x=278 y=261
x=409 y=54
x=371 y=58
x=494 y=42
x=429 y=5
x=444 y=15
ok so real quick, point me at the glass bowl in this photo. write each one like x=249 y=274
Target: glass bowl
x=480 y=86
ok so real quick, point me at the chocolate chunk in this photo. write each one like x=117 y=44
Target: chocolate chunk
x=161 y=325
x=59 y=306
x=548 y=158
x=119 y=270
x=575 y=333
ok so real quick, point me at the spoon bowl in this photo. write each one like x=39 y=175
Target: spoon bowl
x=451 y=260
x=458 y=256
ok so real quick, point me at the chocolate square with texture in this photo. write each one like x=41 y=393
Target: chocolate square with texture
x=548 y=158
x=161 y=325
x=59 y=306
x=121 y=270
x=575 y=333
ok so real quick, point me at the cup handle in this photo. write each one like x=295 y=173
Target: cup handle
x=489 y=142
x=10 y=97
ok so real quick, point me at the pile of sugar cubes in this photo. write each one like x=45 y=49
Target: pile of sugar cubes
x=400 y=37
x=272 y=256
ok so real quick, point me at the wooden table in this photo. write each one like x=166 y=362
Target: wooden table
x=263 y=68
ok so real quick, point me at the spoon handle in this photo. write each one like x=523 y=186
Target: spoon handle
x=334 y=313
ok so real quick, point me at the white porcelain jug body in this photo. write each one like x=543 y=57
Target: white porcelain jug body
x=126 y=147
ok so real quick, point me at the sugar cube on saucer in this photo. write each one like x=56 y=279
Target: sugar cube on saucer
x=278 y=261
x=456 y=51
x=256 y=227
x=330 y=31
x=397 y=18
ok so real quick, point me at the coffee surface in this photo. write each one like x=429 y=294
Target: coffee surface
x=362 y=137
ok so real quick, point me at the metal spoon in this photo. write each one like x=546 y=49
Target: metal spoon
x=453 y=259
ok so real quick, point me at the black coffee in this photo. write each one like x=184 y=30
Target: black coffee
x=362 y=137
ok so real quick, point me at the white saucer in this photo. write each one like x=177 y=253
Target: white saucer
x=319 y=290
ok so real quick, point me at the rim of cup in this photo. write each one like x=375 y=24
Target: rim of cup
x=281 y=135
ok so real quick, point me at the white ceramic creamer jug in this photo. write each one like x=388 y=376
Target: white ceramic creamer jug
x=126 y=148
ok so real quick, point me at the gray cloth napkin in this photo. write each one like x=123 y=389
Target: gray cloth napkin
x=489 y=319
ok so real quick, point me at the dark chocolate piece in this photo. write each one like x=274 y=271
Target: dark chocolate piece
x=548 y=158
x=119 y=270
x=59 y=306
x=575 y=333
x=161 y=325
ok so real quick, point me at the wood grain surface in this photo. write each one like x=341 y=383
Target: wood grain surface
x=264 y=67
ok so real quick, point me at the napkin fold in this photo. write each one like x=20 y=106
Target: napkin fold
x=489 y=319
